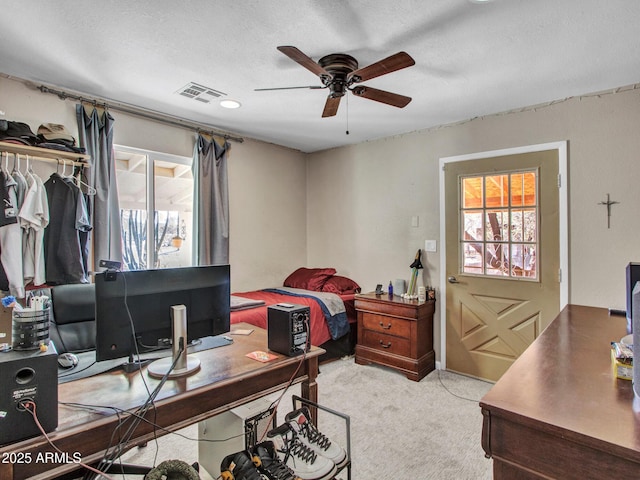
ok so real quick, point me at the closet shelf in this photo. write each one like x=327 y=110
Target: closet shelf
x=45 y=154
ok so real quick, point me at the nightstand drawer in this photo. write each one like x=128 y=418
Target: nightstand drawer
x=387 y=325
x=387 y=343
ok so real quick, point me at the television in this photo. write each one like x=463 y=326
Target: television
x=145 y=301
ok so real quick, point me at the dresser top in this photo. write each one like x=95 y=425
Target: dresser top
x=385 y=297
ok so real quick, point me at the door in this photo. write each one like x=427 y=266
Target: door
x=502 y=221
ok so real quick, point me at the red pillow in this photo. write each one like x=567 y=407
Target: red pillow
x=309 y=278
x=340 y=285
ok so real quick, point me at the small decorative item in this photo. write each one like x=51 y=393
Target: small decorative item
x=415 y=266
x=608 y=204
x=399 y=286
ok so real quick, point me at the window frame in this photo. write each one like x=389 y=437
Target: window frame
x=151 y=157
x=483 y=209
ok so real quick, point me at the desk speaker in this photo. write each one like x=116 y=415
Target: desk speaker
x=27 y=375
x=288 y=329
x=632 y=277
x=635 y=294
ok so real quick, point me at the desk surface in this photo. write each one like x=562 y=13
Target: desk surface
x=562 y=391
x=227 y=378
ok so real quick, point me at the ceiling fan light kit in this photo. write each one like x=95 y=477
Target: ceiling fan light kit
x=339 y=72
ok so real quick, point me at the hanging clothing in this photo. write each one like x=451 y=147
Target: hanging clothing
x=34 y=218
x=21 y=187
x=10 y=236
x=83 y=224
x=67 y=218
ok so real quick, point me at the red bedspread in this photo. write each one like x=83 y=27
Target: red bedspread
x=258 y=316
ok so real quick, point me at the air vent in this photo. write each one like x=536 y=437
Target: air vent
x=200 y=93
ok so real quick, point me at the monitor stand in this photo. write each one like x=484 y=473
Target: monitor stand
x=184 y=365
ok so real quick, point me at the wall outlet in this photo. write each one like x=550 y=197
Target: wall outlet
x=430 y=246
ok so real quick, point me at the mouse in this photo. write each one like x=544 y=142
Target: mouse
x=67 y=360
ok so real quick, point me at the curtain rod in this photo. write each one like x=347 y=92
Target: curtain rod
x=140 y=112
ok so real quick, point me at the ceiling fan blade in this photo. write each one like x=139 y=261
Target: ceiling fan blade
x=297 y=56
x=390 y=64
x=312 y=87
x=331 y=106
x=381 y=96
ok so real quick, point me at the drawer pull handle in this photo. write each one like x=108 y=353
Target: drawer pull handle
x=387 y=327
x=385 y=345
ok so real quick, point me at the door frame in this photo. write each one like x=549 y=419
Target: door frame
x=563 y=194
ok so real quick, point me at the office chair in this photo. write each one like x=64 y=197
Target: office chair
x=73 y=326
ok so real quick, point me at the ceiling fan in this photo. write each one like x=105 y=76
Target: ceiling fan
x=339 y=72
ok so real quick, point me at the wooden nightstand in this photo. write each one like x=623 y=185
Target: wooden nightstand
x=397 y=333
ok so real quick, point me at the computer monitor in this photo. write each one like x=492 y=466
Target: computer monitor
x=142 y=301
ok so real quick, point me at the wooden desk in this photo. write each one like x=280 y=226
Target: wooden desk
x=227 y=379
x=559 y=412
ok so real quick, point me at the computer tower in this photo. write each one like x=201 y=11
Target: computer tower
x=288 y=329
x=27 y=375
x=230 y=432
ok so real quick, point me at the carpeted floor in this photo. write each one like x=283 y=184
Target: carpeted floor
x=399 y=429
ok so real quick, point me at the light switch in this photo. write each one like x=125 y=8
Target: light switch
x=414 y=221
x=430 y=246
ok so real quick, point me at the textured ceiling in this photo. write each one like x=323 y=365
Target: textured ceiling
x=472 y=59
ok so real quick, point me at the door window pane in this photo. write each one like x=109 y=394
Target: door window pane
x=499 y=218
x=497 y=191
x=472 y=192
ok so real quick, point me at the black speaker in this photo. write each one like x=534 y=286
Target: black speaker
x=288 y=328
x=635 y=294
x=633 y=276
x=27 y=375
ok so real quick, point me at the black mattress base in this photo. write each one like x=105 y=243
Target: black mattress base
x=340 y=347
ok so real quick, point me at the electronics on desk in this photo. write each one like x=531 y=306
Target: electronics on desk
x=238 y=429
x=145 y=299
x=632 y=277
x=288 y=329
x=27 y=376
x=636 y=335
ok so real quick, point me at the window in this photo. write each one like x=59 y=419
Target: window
x=155 y=191
x=499 y=214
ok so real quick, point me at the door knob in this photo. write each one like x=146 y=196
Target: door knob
x=452 y=279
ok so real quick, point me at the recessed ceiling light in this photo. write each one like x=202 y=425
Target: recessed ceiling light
x=480 y=1
x=228 y=103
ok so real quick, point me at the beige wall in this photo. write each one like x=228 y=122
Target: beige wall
x=266 y=184
x=361 y=198
x=351 y=208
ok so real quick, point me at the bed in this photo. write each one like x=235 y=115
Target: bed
x=330 y=299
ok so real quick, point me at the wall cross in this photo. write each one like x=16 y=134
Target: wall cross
x=608 y=203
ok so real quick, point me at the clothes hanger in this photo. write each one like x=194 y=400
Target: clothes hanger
x=16 y=173
x=28 y=173
x=5 y=165
x=89 y=189
x=77 y=181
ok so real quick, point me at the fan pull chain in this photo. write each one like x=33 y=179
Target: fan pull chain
x=347 y=97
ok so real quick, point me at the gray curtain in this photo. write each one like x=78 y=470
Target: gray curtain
x=96 y=135
x=210 y=202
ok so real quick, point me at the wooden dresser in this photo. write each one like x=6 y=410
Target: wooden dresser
x=559 y=412
x=397 y=333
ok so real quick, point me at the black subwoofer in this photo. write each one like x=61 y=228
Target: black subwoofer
x=27 y=376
